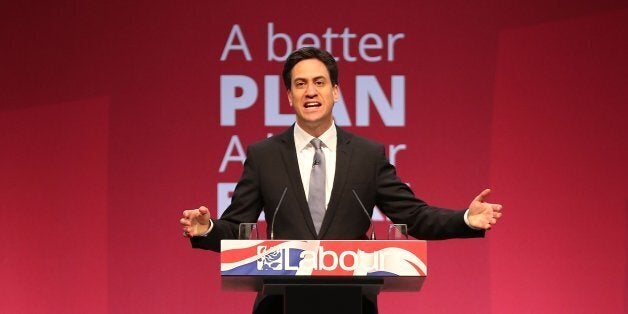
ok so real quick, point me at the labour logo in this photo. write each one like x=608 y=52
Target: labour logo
x=269 y=260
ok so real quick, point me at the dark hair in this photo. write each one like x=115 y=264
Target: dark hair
x=309 y=53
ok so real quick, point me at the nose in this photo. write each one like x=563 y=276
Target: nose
x=311 y=91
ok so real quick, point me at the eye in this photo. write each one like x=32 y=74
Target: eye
x=299 y=84
x=319 y=83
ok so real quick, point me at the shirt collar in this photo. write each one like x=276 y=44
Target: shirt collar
x=302 y=139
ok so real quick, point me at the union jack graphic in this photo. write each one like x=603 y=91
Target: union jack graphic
x=323 y=258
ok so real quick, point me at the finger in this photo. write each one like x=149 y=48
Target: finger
x=496 y=207
x=203 y=210
x=185 y=222
x=188 y=231
x=190 y=213
x=483 y=195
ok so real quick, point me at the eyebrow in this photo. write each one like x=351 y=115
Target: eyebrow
x=305 y=79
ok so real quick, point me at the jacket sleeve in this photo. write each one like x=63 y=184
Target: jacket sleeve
x=397 y=201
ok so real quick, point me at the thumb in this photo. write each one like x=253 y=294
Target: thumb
x=480 y=198
x=203 y=210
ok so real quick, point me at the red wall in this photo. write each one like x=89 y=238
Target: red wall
x=110 y=127
x=54 y=166
x=559 y=151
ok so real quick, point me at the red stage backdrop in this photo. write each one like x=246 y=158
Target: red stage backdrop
x=116 y=116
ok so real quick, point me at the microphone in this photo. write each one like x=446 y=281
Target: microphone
x=316 y=162
x=366 y=213
x=272 y=224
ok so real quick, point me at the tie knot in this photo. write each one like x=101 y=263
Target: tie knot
x=316 y=143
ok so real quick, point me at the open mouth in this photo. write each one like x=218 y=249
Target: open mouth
x=312 y=104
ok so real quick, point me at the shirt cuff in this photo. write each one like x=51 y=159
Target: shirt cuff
x=466 y=220
x=211 y=226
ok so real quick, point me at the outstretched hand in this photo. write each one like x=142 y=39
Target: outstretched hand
x=483 y=215
x=195 y=221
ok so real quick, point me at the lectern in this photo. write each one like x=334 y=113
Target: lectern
x=323 y=276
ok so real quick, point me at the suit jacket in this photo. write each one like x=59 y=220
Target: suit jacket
x=361 y=165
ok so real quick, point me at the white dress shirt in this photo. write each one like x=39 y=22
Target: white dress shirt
x=305 y=157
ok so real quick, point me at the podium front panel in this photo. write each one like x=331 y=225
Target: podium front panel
x=245 y=264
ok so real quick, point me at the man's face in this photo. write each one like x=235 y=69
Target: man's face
x=312 y=95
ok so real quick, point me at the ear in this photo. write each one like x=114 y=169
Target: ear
x=289 y=95
x=335 y=91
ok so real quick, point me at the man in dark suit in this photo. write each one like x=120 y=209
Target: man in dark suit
x=349 y=165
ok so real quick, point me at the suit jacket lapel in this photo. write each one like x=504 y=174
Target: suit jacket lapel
x=343 y=158
x=289 y=157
